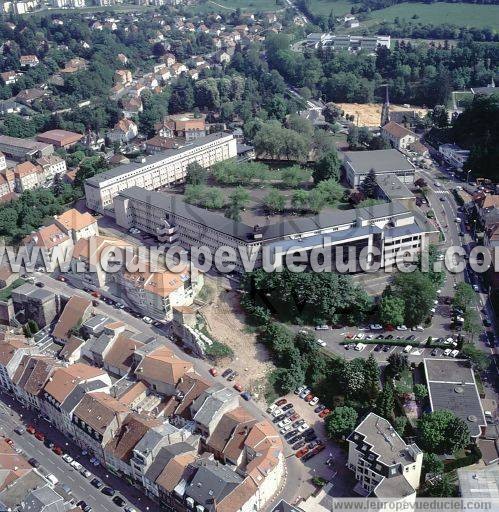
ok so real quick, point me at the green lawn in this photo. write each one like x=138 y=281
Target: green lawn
x=339 y=7
x=404 y=384
x=232 y=5
x=6 y=292
x=465 y=15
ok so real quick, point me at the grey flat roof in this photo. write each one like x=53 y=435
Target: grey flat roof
x=393 y=187
x=174 y=204
x=479 y=483
x=451 y=386
x=381 y=160
x=394 y=487
x=126 y=168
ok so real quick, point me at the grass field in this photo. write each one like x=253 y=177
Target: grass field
x=232 y=5
x=465 y=15
x=338 y=7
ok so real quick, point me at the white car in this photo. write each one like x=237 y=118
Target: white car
x=407 y=349
x=435 y=302
x=86 y=473
x=457 y=219
x=321 y=328
x=305 y=392
x=359 y=347
x=433 y=311
x=314 y=401
x=284 y=422
x=320 y=342
x=67 y=458
x=303 y=427
x=447 y=352
x=271 y=408
x=376 y=327
x=437 y=184
x=147 y=320
x=285 y=429
x=359 y=336
x=476 y=288
x=299 y=390
x=76 y=465
x=277 y=412
x=454 y=353
x=439 y=292
x=401 y=328
x=369 y=337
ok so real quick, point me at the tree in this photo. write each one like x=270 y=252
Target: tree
x=286 y=380
x=400 y=424
x=196 y=175
x=327 y=167
x=432 y=464
x=386 y=401
x=397 y=363
x=444 y=488
x=391 y=310
x=372 y=377
x=58 y=185
x=442 y=432
x=293 y=176
x=479 y=359
x=464 y=296
x=353 y=378
x=420 y=392
x=472 y=323
x=418 y=293
x=370 y=186
x=237 y=200
x=274 y=201
x=341 y=422
x=353 y=137
x=299 y=199
x=440 y=116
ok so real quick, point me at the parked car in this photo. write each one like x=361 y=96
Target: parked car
x=289 y=413
x=309 y=397
x=34 y=462
x=291 y=433
x=271 y=408
x=299 y=390
x=376 y=327
x=386 y=348
x=96 y=483
x=304 y=392
x=322 y=328
x=299 y=444
x=108 y=491
x=280 y=402
x=19 y=430
x=67 y=458
x=303 y=427
x=31 y=429
x=213 y=372
x=401 y=328
x=40 y=436
x=76 y=465
x=232 y=376
x=57 y=450
x=147 y=320
x=226 y=372
x=300 y=453
x=324 y=413
x=246 y=396
x=407 y=349
x=297 y=423
x=319 y=408
x=314 y=401
x=287 y=407
x=284 y=422
x=320 y=342
x=277 y=412
x=118 y=500
x=238 y=387
x=86 y=473
x=434 y=352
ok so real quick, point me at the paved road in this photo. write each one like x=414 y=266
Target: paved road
x=13 y=415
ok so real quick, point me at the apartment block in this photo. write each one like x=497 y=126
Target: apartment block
x=159 y=170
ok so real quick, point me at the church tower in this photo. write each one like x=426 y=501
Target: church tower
x=385 y=110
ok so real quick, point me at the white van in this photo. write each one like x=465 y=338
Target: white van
x=52 y=479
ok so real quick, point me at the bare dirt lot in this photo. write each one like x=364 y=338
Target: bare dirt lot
x=225 y=322
x=369 y=114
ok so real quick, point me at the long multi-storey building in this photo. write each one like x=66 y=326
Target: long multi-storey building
x=160 y=170
x=348 y=42
x=390 y=227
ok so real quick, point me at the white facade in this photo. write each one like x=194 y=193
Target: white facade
x=454 y=155
x=158 y=170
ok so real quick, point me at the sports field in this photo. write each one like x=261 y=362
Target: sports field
x=465 y=15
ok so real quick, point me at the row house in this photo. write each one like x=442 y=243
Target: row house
x=13 y=349
x=52 y=165
x=64 y=390
x=75 y=312
x=27 y=176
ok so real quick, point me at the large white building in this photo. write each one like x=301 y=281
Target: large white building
x=156 y=171
x=384 y=464
x=390 y=227
x=348 y=42
x=454 y=155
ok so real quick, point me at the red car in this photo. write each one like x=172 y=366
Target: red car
x=319 y=448
x=324 y=413
x=40 y=436
x=294 y=417
x=57 y=450
x=238 y=387
x=31 y=429
x=308 y=398
x=302 y=452
x=9 y=441
x=280 y=402
x=61 y=278
x=214 y=372
x=349 y=335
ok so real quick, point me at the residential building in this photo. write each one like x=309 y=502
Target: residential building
x=454 y=155
x=123 y=76
x=29 y=61
x=358 y=164
x=398 y=136
x=60 y=138
x=159 y=144
x=132 y=106
x=479 y=483
x=160 y=368
x=160 y=170
x=385 y=466
x=75 y=312
x=51 y=244
x=52 y=165
x=29 y=96
x=77 y=225
x=452 y=386
x=187 y=126
x=24 y=149
x=12 y=350
x=27 y=176
x=124 y=131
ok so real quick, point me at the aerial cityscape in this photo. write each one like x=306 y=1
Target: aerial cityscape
x=248 y=256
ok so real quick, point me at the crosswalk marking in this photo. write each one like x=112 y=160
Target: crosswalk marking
x=441 y=192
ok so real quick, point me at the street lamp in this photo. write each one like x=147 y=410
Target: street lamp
x=468 y=176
